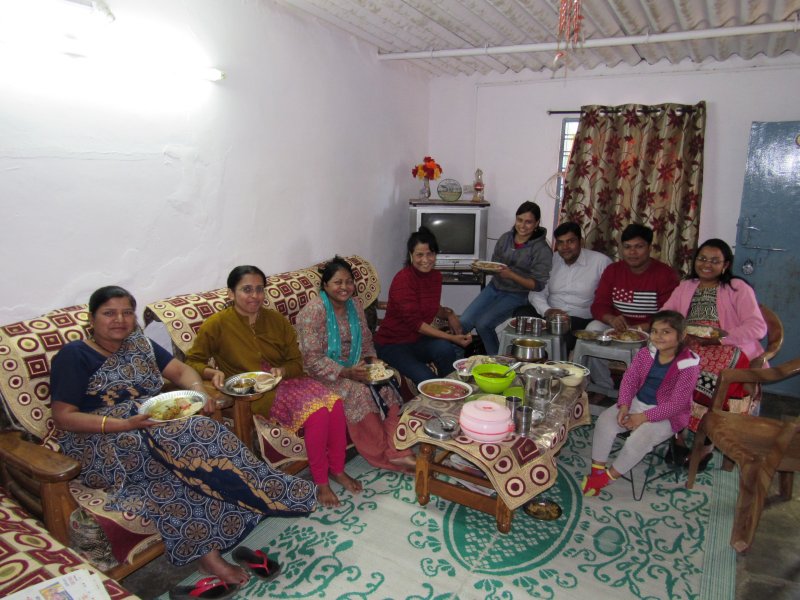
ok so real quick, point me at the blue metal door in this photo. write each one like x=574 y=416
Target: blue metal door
x=768 y=238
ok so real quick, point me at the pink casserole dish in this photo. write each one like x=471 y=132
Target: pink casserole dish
x=485 y=421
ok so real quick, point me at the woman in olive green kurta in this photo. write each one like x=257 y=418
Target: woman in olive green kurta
x=248 y=337
x=236 y=347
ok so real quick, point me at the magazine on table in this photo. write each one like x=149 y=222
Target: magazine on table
x=76 y=585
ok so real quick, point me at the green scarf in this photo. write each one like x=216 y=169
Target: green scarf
x=335 y=338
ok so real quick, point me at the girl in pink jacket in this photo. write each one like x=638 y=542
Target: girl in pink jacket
x=654 y=403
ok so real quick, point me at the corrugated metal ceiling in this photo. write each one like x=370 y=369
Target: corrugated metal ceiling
x=402 y=26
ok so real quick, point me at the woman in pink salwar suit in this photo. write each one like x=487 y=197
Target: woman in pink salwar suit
x=337 y=347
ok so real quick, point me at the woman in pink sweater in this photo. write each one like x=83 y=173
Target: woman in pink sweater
x=654 y=401
x=712 y=299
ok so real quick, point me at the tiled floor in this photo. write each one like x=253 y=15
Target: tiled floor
x=771 y=569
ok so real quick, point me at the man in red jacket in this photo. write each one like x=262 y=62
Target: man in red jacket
x=630 y=292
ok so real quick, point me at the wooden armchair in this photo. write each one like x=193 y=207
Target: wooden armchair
x=760 y=446
x=33 y=471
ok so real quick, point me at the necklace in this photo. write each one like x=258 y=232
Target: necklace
x=99 y=345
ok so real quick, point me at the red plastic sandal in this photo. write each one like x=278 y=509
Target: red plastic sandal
x=212 y=588
x=256 y=562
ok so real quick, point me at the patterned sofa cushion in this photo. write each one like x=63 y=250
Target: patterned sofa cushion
x=29 y=555
x=26 y=349
x=285 y=292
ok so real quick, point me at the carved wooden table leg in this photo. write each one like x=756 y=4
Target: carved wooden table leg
x=243 y=421
x=424 y=459
x=503 y=516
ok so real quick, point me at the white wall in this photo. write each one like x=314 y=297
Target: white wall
x=304 y=150
x=500 y=123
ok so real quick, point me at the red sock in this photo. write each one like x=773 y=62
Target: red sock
x=592 y=484
x=597 y=468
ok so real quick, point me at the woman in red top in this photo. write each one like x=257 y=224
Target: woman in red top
x=406 y=340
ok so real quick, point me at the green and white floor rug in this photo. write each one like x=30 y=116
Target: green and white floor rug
x=382 y=544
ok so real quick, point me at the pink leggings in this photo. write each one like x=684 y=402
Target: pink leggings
x=326 y=442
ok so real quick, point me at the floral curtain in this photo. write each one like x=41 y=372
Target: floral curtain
x=638 y=164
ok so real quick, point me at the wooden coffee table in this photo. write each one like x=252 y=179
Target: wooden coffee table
x=513 y=471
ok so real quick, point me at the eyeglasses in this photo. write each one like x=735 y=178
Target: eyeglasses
x=247 y=290
x=711 y=261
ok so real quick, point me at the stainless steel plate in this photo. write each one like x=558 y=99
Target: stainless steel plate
x=434 y=428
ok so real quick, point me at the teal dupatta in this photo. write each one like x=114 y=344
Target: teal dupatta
x=334 y=336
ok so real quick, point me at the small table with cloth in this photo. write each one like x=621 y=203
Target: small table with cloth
x=516 y=469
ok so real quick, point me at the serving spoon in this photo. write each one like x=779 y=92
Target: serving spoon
x=511 y=368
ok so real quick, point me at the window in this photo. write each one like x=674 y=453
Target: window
x=569 y=127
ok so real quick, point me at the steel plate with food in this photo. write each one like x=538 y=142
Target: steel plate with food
x=488 y=265
x=252 y=382
x=629 y=336
x=378 y=372
x=172 y=406
x=544 y=510
x=585 y=334
x=444 y=389
x=708 y=332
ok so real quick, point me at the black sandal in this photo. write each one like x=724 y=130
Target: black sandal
x=677 y=455
x=256 y=563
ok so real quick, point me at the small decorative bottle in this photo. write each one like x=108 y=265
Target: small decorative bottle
x=478 y=186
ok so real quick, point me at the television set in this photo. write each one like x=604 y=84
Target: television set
x=460 y=232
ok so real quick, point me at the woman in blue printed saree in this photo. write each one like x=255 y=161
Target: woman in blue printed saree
x=204 y=490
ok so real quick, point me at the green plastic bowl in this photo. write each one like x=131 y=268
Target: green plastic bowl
x=492 y=385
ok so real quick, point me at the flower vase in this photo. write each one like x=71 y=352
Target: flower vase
x=425 y=192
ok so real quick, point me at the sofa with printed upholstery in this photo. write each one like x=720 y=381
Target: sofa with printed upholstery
x=287 y=293
x=30 y=555
x=35 y=473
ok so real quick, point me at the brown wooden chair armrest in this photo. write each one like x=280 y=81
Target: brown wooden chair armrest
x=729 y=376
x=36 y=461
x=38 y=478
x=774 y=338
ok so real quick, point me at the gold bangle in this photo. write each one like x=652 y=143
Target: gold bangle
x=103 y=424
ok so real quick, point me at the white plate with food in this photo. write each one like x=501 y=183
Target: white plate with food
x=707 y=332
x=629 y=336
x=252 y=382
x=444 y=389
x=466 y=364
x=172 y=406
x=378 y=373
x=488 y=266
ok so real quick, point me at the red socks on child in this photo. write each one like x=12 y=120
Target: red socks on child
x=596 y=480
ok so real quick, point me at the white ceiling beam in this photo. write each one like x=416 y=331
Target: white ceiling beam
x=655 y=38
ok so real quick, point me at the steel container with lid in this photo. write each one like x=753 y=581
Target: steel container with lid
x=558 y=324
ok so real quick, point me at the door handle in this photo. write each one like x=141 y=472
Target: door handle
x=747 y=228
x=763 y=248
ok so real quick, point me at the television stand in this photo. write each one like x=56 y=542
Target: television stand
x=462 y=277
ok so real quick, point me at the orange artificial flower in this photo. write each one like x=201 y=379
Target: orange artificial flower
x=427 y=169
